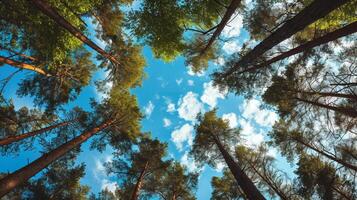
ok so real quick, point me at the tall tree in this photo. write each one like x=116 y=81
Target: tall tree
x=347 y=30
x=294 y=142
x=68 y=78
x=225 y=187
x=53 y=14
x=174 y=183
x=118 y=117
x=316 y=10
x=258 y=163
x=144 y=167
x=318 y=178
x=208 y=147
x=22 y=65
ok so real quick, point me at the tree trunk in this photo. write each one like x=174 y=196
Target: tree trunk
x=15 y=138
x=22 y=65
x=20 y=176
x=347 y=30
x=139 y=183
x=173 y=197
x=227 y=16
x=340 y=161
x=316 y=10
x=330 y=94
x=242 y=179
x=19 y=54
x=346 y=111
x=270 y=183
x=53 y=14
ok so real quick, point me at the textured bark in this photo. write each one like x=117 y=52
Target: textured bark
x=22 y=65
x=53 y=14
x=20 y=176
x=15 y=138
x=270 y=183
x=242 y=179
x=227 y=16
x=345 y=111
x=338 y=160
x=347 y=30
x=330 y=94
x=20 y=54
x=316 y=10
x=139 y=183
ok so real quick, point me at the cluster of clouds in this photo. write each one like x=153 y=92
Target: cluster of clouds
x=100 y=175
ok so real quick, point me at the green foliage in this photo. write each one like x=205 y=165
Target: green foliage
x=67 y=80
x=174 y=183
x=226 y=188
x=121 y=107
x=210 y=128
x=164 y=36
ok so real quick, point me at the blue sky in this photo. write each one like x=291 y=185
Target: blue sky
x=171 y=96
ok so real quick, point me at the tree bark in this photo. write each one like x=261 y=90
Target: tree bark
x=270 y=183
x=227 y=16
x=20 y=176
x=22 y=65
x=347 y=30
x=20 y=54
x=330 y=94
x=346 y=111
x=15 y=138
x=139 y=183
x=53 y=14
x=316 y=10
x=340 y=161
x=242 y=179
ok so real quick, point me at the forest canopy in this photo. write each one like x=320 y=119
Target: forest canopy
x=178 y=99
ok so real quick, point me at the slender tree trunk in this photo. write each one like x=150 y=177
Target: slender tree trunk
x=227 y=16
x=15 y=138
x=139 y=183
x=316 y=10
x=22 y=65
x=341 y=193
x=330 y=94
x=270 y=183
x=347 y=30
x=338 y=160
x=173 y=197
x=53 y=14
x=242 y=179
x=20 y=54
x=346 y=111
x=20 y=176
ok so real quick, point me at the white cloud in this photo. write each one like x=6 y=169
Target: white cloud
x=170 y=107
x=272 y=152
x=231 y=118
x=263 y=117
x=189 y=163
x=250 y=137
x=110 y=186
x=190 y=82
x=219 y=61
x=231 y=47
x=220 y=166
x=192 y=73
x=182 y=135
x=232 y=29
x=211 y=94
x=179 y=81
x=167 y=122
x=148 y=109
x=189 y=106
